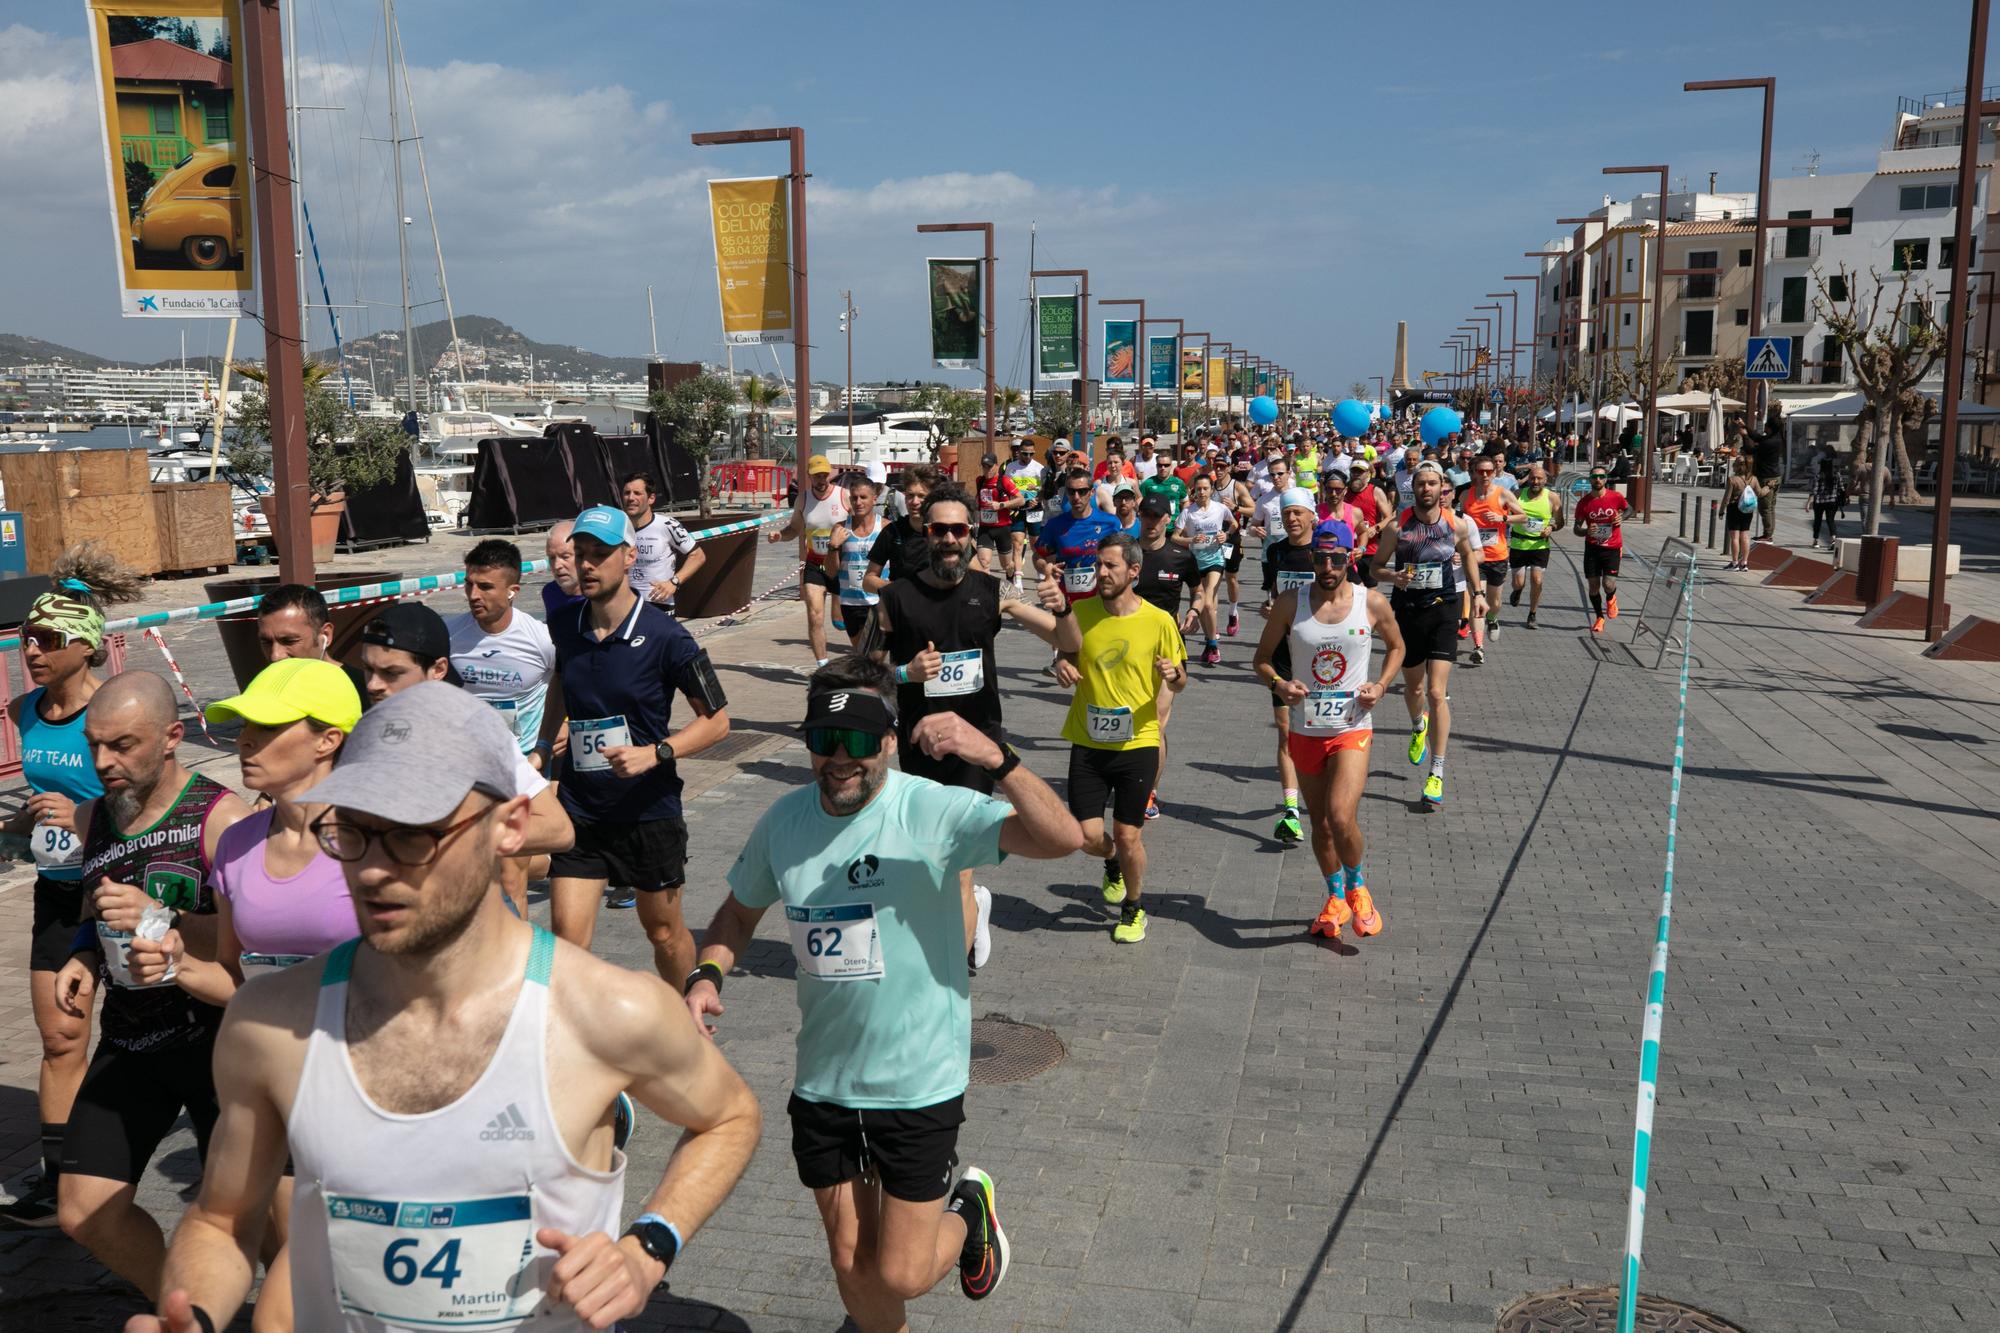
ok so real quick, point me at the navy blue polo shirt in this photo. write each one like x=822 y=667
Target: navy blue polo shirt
x=619 y=690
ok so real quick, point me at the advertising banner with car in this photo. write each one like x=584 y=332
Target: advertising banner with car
x=752 y=221
x=176 y=154
x=1191 y=368
x=1055 y=343
x=1121 y=351
x=955 y=295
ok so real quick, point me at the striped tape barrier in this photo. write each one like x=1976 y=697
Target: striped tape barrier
x=1656 y=999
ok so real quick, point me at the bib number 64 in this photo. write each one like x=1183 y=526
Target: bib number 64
x=400 y=1266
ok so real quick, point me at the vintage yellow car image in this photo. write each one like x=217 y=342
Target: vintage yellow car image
x=195 y=211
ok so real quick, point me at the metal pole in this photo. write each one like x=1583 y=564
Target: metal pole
x=402 y=227
x=847 y=326
x=1082 y=275
x=1641 y=486
x=992 y=330
x=1754 y=407
x=263 y=67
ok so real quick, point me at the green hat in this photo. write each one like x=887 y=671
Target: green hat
x=286 y=691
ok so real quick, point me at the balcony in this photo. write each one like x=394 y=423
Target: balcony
x=1699 y=287
x=1779 y=246
x=160 y=152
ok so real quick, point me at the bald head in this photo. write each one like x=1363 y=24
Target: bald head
x=562 y=556
x=141 y=693
x=133 y=729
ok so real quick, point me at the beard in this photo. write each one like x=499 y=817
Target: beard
x=125 y=803
x=949 y=565
x=445 y=911
x=843 y=796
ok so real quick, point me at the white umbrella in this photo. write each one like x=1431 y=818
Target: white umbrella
x=1715 y=419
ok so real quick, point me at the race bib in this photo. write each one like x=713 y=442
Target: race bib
x=1080 y=578
x=1229 y=550
x=589 y=737
x=1488 y=523
x=820 y=540
x=837 y=943
x=989 y=516
x=1108 y=726
x=116 y=946
x=962 y=673
x=463 y=1264
x=55 y=848
x=1530 y=527
x=1601 y=532
x=1326 y=710
x=1427 y=576
x=1290 y=580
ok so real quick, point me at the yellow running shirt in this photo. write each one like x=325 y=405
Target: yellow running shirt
x=1116 y=701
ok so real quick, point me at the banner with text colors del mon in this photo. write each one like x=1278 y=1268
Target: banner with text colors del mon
x=954 y=294
x=177 y=155
x=1162 y=362
x=751 y=218
x=1056 y=355
x=1121 y=351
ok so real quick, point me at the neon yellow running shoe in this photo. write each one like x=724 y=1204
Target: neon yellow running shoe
x=1131 y=927
x=1434 y=790
x=1114 y=884
x=1420 y=739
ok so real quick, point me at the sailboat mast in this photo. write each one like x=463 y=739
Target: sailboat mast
x=437 y=243
x=402 y=222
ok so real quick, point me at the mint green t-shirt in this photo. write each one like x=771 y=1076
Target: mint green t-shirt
x=871 y=910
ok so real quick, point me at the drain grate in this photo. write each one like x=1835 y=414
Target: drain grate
x=1590 y=1309
x=1004 y=1051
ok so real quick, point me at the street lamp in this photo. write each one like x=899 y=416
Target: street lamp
x=847 y=314
x=1769 y=87
x=986 y=230
x=1513 y=351
x=1138 y=359
x=1082 y=276
x=802 y=330
x=1639 y=489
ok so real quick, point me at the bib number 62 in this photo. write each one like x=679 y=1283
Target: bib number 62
x=823 y=942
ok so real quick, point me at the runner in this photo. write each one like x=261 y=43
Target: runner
x=1069 y=539
x=1492 y=509
x=1239 y=497
x=665 y=554
x=1168 y=485
x=1146 y=463
x=621 y=661
x=1124 y=650
x=1267 y=522
x=61 y=640
x=999 y=500
x=1026 y=474
x=1600 y=518
x=1166 y=570
x=901 y=550
x=560 y=591
x=293 y=621
x=1208 y=529
x=1432 y=556
x=1366 y=494
x=847 y=558
x=1125 y=508
x=410 y=1067
x=821 y=507
x=860 y=862
x=1288 y=566
x=147 y=845
x=1528 y=546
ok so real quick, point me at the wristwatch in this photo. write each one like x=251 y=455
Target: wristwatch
x=1010 y=760
x=657 y=1237
x=664 y=752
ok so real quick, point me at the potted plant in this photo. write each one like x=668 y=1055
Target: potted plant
x=344 y=451
x=696 y=414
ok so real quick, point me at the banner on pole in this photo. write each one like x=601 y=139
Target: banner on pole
x=176 y=152
x=954 y=293
x=1285 y=389
x=1191 y=369
x=1218 y=377
x=1056 y=355
x=1121 y=351
x=751 y=218
x=1162 y=356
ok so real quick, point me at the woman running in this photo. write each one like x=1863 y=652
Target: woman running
x=1206 y=527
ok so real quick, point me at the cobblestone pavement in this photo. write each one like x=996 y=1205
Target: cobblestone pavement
x=1254 y=1131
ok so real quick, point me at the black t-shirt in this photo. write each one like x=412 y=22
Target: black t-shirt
x=962 y=618
x=1289 y=559
x=901 y=549
x=1163 y=574
x=1767 y=456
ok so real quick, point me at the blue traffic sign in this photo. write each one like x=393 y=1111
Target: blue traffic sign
x=1768 y=359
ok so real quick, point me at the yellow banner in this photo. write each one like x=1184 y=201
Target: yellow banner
x=1285 y=389
x=753 y=247
x=1218 y=377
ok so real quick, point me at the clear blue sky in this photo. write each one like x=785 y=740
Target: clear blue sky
x=1294 y=177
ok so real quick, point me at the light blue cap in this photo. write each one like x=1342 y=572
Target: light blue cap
x=605 y=524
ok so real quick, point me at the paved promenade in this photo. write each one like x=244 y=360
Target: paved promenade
x=1252 y=1131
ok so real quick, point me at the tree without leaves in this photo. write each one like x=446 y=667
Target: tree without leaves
x=1890 y=355
x=1358 y=390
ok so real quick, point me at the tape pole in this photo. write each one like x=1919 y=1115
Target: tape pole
x=1656 y=1000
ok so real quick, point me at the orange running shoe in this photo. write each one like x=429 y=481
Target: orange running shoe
x=1597 y=625
x=1611 y=606
x=1367 y=921
x=1330 y=919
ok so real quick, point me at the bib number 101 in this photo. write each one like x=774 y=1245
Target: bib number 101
x=399 y=1263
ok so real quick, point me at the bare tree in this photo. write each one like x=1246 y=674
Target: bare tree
x=1891 y=352
x=1358 y=391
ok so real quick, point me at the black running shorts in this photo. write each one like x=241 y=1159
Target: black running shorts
x=58 y=910
x=1518 y=559
x=1601 y=561
x=815 y=575
x=647 y=855
x=1430 y=633
x=1124 y=778
x=911 y=1152
x=129 y=1102
x=951 y=770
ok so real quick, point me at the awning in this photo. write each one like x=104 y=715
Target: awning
x=1698 y=402
x=1848 y=406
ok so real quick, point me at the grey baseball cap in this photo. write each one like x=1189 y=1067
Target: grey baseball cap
x=413 y=757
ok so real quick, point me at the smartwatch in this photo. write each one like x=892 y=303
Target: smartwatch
x=657 y=1237
x=664 y=752
x=1010 y=760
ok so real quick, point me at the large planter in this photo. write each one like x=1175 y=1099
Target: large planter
x=239 y=631
x=325 y=523
x=724 y=581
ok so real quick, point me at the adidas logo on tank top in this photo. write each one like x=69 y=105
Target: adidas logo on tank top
x=509 y=1124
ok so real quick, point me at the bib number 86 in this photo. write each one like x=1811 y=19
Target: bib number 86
x=953 y=673
x=824 y=942
x=400 y=1267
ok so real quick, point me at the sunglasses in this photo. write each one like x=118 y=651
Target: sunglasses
x=1600 y=476
x=827 y=741
x=958 y=530
x=48 y=640
x=1073 y=490
x=1338 y=559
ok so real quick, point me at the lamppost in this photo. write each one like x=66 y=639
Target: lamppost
x=802 y=330
x=1513 y=352
x=1534 y=331
x=847 y=313
x=1138 y=359
x=1082 y=276
x=1228 y=351
x=1755 y=389
x=986 y=334
x=1180 y=339
x=1494 y=379
x=1639 y=489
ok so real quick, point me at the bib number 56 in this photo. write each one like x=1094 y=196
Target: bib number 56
x=400 y=1266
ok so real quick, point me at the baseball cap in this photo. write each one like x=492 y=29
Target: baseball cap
x=605 y=524
x=412 y=627
x=1332 y=535
x=413 y=757
x=818 y=464
x=295 y=688
x=1123 y=488
x=1430 y=465
x=1298 y=497
x=987 y=460
x=1156 y=506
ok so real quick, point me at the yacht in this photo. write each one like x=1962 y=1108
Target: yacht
x=893 y=438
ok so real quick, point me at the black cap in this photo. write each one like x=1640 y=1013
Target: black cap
x=861 y=709
x=1156 y=506
x=415 y=629
x=989 y=460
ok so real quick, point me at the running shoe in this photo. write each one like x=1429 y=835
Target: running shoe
x=623 y=1117
x=1597 y=625
x=622 y=897
x=1368 y=921
x=1230 y=628
x=1131 y=927
x=1478 y=656
x=1331 y=918
x=1288 y=830
x=1464 y=629
x=982 y=936
x=982 y=1263
x=1611 y=606
x=1212 y=655
x=1531 y=621
x=34 y=1209
x=1153 y=805
x=1492 y=628
x=1434 y=790
x=1514 y=597
x=1420 y=739
x=1114 y=885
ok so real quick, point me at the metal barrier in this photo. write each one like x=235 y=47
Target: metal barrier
x=1667 y=596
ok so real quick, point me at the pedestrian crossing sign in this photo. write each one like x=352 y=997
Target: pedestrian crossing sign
x=1768 y=359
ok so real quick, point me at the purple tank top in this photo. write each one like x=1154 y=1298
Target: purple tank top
x=280 y=921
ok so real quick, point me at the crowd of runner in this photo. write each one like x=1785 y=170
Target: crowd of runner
x=412 y=1101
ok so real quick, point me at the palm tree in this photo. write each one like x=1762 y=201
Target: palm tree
x=758 y=394
x=1005 y=401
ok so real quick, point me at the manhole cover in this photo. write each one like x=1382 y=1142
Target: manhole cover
x=1004 y=1051
x=1588 y=1309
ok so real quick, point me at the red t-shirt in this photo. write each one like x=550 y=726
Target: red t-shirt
x=1187 y=472
x=1596 y=513
x=1369 y=501
x=993 y=490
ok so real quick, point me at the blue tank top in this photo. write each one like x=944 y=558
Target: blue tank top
x=55 y=757
x=854 y=549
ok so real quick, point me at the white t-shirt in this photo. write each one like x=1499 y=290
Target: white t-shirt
x=1271 y=514
x=510 y=669
x=657 y=549
x=1507 y=481
x=1204 y=524
x=1028 y=477
x=1146 y=467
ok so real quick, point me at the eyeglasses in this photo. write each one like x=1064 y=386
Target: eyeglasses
x=406 y=845
x=1599 y=476
x=958 y=530
x=1076 y=490
x=825 y=741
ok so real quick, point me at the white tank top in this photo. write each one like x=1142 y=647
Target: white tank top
x=1331 y=661
x=822 y=516
x=428 y=1221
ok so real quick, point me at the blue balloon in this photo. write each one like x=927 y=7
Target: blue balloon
x=1440 y=422
x=1351 y=417
x=1263 y=409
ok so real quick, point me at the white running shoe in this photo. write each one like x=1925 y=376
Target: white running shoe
x=982 y=937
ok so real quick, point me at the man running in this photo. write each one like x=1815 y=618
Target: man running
x=1166 y=571
x=445 y=1085
x=901 y=549
x=664 y=553
x=560 y=591
x=148 y=843
x=1167 y=484
x=999 y=501
x=1125 y=507
x=1068 y=544
x=1491 y=508
x=1528 y=544
x=1288 y=566
x=1325 y=630
x=847 y=555
x=621 y=662
x=293 y=621
x=1432 y=555
x=861 y=862
x=821 y=507
x=1026 y=474
x=1600 y=518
